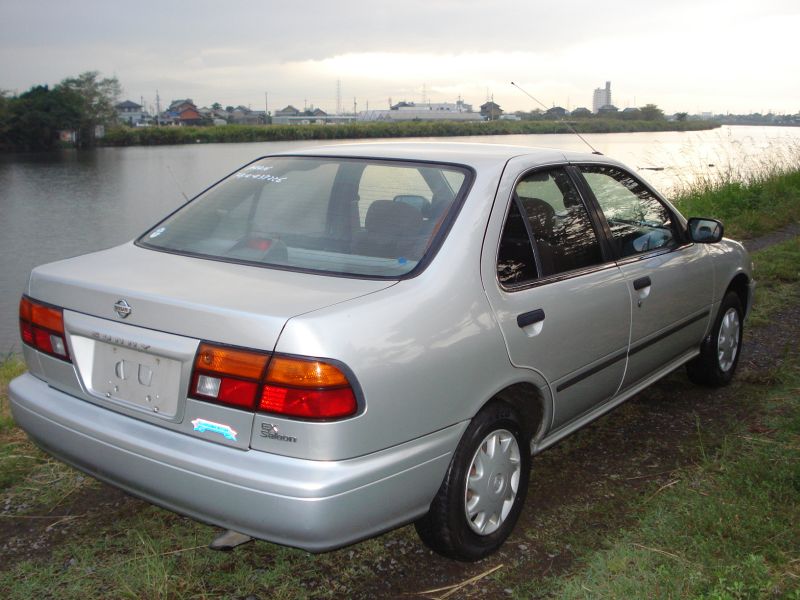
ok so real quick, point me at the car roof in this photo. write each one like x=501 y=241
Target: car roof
x=475 y=155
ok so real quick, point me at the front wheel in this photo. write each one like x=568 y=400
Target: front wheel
x=720 y=351
x=484 y=488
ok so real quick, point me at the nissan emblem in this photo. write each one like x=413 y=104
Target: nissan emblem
x=122 y=308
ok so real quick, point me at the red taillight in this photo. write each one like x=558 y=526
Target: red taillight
x=310 y=389
x=308 y=404
x=228 y=375
x=295 y=387
x=42 y=327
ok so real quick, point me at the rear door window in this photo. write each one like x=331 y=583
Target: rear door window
x=558 y=221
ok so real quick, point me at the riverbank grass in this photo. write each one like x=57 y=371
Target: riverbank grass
x=150 y=136
x=767 y=200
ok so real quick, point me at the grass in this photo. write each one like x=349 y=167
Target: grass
x=723 y=527
x=777 y=271
x=749 y=203
x=29 y=478
x=148 y=136
x=10 y=367
x=729 y=528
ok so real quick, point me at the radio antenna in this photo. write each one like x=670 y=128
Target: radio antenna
x=177 y=185
x=567 y=123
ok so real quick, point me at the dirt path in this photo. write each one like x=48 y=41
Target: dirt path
x=776 y=237
x=582 y=491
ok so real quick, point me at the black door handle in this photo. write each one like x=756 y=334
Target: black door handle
x=640 y=283
x=529 y=318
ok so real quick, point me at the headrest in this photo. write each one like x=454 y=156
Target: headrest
x=392 y=218
x=421 y=203
x=540 y=214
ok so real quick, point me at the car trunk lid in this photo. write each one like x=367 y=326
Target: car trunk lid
x=204 y=299
x=140 y=363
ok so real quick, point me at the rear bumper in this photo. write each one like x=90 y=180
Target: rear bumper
x=313 y=505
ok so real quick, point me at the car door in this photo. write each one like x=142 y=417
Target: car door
x=562 y=304
x=671 y=280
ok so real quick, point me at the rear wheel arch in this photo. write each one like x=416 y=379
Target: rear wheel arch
x=529 y=402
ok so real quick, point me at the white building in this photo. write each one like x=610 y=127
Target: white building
x=130 y=113
x=601 y=97
x=431 y=111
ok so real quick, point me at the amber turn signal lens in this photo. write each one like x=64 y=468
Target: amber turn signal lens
x=49 y=318
x=230 y=361
x=25 y=308
x=42 y=327
x=304 y=373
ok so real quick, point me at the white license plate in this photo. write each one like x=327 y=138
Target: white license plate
x=145 y=380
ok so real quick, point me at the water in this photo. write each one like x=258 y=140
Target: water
x=64 y=204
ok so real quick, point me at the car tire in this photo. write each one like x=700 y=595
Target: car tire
x=720 y=351
x=484 y=488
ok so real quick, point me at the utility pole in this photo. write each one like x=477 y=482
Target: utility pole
x=338 y=96
x=266 y=108
x=354 y=106
x=158 y=109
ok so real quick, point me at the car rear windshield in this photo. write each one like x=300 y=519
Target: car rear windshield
x=365 y=218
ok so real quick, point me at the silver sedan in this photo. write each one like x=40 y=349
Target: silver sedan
x=329 y=344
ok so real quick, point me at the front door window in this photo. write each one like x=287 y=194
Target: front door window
x=639 y=221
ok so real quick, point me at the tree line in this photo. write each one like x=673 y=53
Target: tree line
x=31 y=121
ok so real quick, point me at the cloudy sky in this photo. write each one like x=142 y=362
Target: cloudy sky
x=684 y=55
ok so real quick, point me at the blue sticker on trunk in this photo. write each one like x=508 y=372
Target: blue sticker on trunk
x=226 y=431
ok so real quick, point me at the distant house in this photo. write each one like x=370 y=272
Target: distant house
x=581 y=112
x=183 y=112
x=176 y=106
x=129 y=112
x=608 y=109
x=190 y=116
x=241 y=115
x=289 y=111
x=318 y=112
x=68 y=136
x=491 y=111
x=556 y=112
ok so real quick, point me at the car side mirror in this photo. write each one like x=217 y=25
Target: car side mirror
x=705 y=231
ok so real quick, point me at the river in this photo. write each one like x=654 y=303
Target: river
x=58 y=205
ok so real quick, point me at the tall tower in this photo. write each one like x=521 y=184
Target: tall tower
x=338 y=96
x=601 y=97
